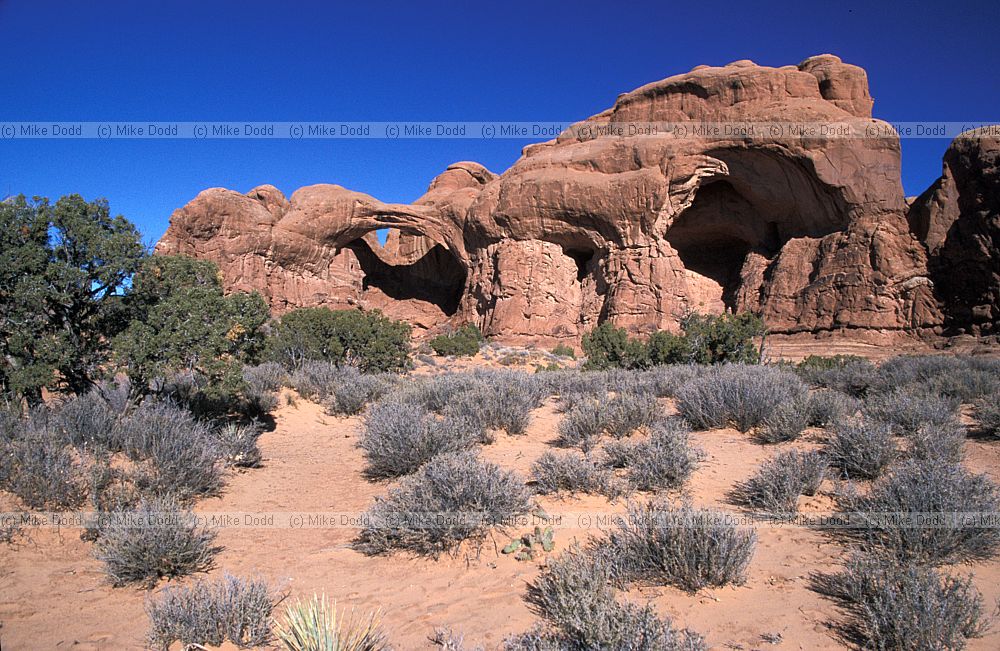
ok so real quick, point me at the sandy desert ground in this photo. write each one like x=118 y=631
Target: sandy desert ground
x=53 y=594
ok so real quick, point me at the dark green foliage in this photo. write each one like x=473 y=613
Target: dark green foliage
x=573 y=595
x=562 y=350
x=232 y=609
x=928 y=512
x=464 y=342
x=63 y=268
x=157 y=539
x=706 y=339
x=678 y=545
x=473 y=494
x=893 y=606
x=186 y=327
x=776 y=486
x=609 y=347
x=368 y=340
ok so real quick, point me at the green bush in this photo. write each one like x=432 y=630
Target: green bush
x=464 y=342
x=186 y=327
x=562 y=350
x=706 y=339
x=367 y=340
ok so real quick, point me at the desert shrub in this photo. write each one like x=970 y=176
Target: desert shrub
x=936 y=501
x=706 y=339
x=786 y=422
x=87 y=421
x=722 y=338
x=848 y=374
x=463 y=342
x=474 y=494
x=894 y=606
x=663 y=461
x=181 y=455
x=862 y=449
x=571 y=472
x=988 y=414
x=157 y=539
x=664 y=381
x=944 y=442
x=232 y=609
x=39 y=467
x=437 y=392
x=267 y=377
x=958 y=378
x=399 y=437
x=583 y=425
x=316 y=625
x=906 y=410
x=313 y=379
x=367 y=340
x=678 y=545
x=562 y=350
x=627 y=412
x=498 y=400
x=609 y=347
x=574 y=597
x=353 y=391
x=237 y=443
x=828 y=407
x=776 y=486
x=739 y=395
x=262 y=384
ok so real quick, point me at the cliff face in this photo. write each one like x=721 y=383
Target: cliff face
x=811 y=233
x=958 y=219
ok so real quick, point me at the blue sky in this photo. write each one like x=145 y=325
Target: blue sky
x=247 y=60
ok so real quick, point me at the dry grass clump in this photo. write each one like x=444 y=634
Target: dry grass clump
x=157 y=539
x=233 y=609
x=663 y=461
x=453 y=497
x=892 y=605
x=627 y=412
x=399 y=437
x=928 y=512
x=574 y=598
x=574 y=473
x=677 y=544
x=861 y=449
x=776 y=486
x=908 y=409
x=737 y=395
x=828 y=407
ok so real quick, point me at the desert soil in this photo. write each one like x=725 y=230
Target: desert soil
x=53 y=594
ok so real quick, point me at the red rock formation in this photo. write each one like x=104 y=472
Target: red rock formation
x=958 y=219
x=812 y=233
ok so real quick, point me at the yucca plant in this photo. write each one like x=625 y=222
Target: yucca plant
x=316 y=625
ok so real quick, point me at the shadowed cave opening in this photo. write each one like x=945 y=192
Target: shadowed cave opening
x=434 y=276
x=582 y=258
x=716 y=233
